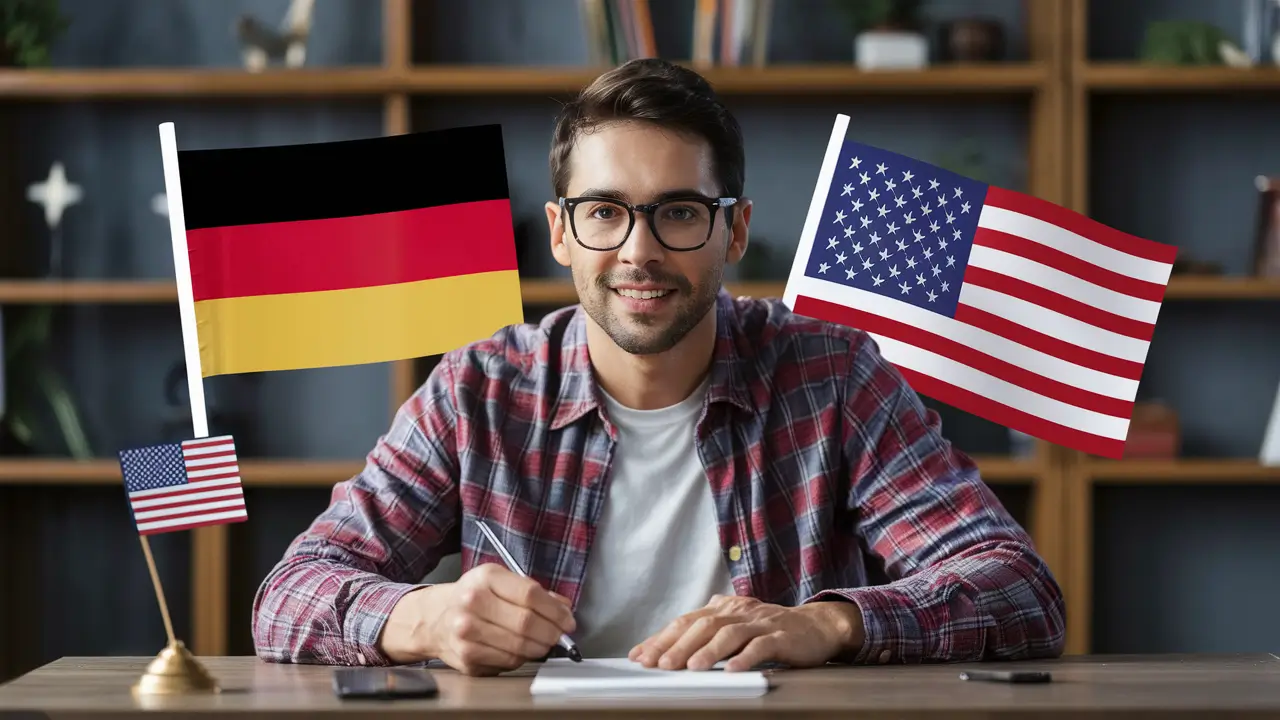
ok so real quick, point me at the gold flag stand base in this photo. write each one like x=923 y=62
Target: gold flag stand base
x=175 y=671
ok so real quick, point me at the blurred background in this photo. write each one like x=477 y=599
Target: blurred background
x=1158 y=117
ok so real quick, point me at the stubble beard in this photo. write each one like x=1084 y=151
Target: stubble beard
x=654 y=335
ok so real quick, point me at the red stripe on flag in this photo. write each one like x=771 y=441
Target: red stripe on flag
x=1048 y=344
x=1004 y=415
x=351 y=252
x=205 y=443
x=196 y=524
x=964 y=354
x=1058 y=303
x=1083 y=269
x=1080 y=225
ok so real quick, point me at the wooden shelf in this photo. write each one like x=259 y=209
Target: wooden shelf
x=543 y=291
x=1181 y=470
x=59 y=472
x=130 y=83
x=1144 y=78
x=254 y=473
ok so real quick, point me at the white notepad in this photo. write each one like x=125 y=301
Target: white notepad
x=620 y=677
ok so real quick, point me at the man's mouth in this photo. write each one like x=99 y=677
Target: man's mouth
x=642 y=294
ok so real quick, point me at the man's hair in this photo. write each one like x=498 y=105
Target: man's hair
x=658 y=92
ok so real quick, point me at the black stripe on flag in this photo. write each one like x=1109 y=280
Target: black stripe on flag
x=314 y=181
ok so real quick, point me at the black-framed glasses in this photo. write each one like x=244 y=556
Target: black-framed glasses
x=680 y=224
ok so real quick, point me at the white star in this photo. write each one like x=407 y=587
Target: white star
x=906 y=176
x=933 y=184
x=919 y=279
x=865 y=221
x=951 y=260
x=857 y=205
x=823 y=268
x=950 y=218
x=902 y=244
x=910 y=218
x=866 y=264
x=840 y=258
x=911 y=262
x=877 y=280
x=893 y=228
x=965 y=207
x=839 y=217
x=942 y=201
x=945 y=286
x=916 y=192
x=919 y=235
x=959 y=192
x=160 y=205
x=55 y=194
x=873 y=194
x=865 y=178
x=889 y=185
x=855 y=163
x=848 y=189
x=857 y=248
x=832 y=242
x=937 y=271
x=934 y=226
x=884 y=254
x=848 y=232
x=883 y=211
x=942 y=244
x=928 y=253
x=880 y=168
x=850 y=273
x=875 y=238
x=905 y=287
x=956 y=235
x=893 y=271
x=900 y=201
x=932 y=297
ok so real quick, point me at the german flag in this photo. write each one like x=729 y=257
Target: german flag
x=351 y=252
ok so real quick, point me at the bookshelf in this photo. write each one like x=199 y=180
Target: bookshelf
x=1050 y=490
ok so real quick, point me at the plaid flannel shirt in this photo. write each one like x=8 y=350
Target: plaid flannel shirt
x=816 y=450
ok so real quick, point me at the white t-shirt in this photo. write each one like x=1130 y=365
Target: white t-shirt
x=656 y=553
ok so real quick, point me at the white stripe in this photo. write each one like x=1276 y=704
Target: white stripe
x=217 y=470
x=158 y=524
x=1063 y=283
x=1078 y=246
x=1001 y=391
x=189 y=497
x=204 y=462
x=1067 y=329
x=201 y=485
x=227 y=447
x=188 y=509
x=994 y=345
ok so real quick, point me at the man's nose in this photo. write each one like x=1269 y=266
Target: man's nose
x=641 y=247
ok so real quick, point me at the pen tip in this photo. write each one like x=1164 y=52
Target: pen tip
x=575 y=656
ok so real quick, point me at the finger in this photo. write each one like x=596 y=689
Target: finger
x=476 y=630
x=527 y=593
x=479 y=659
x=727 y=641
x=761 y=649
x=693 y=639
x=481 y=602
x=653 y=647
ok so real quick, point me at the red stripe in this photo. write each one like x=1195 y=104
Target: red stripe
x=1011 y=418
x=1080 y=225
x=965 y=354
x=190 y=526
x=204 y=443
x=1048 y=344
x=1083 y=269
x=352 y=252
x=1058 y=303
x=191 y=503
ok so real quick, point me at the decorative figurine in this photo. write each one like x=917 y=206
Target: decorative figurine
x=55 y=194
x=259 y=44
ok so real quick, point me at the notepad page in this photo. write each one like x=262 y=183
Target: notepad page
x=620 y=677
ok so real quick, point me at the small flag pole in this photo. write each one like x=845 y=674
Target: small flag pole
x=175 y=670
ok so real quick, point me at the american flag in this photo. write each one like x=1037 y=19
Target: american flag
x=995 y=302
x=179 y=486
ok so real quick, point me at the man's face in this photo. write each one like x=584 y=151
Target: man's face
x=643 y=295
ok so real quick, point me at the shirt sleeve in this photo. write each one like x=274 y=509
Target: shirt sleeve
x=385 y=529
x=965 y=581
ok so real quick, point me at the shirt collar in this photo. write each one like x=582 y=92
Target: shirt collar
x=579 y=392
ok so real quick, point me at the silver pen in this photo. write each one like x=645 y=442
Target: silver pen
x=565 y=641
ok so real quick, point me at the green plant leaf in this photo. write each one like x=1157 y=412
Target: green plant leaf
x=64 y=409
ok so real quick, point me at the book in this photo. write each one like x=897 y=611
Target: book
x=622 y=678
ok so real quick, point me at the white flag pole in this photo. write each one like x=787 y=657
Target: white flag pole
x=182 y=271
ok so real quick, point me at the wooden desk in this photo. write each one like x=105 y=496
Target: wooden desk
x=1082 y=687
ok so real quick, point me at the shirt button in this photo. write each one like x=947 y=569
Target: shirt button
x=884 y=656
x=735 y=553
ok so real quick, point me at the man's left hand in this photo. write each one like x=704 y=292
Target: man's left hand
x=753 y=632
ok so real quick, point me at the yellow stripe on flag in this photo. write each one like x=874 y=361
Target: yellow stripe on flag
x=356 y=326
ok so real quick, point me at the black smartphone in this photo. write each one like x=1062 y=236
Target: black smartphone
x=383 y=683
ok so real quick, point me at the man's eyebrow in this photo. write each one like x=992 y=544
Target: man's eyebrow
x=666 y=195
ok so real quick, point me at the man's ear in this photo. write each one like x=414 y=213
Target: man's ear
x=738 y=232
x=556 y=232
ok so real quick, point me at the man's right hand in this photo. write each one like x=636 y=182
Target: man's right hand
x=489 y=621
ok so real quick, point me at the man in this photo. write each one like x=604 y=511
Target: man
x=686 y=477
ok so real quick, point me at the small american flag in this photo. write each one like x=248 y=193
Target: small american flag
x=998 y=303
x=179 y=486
